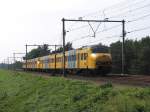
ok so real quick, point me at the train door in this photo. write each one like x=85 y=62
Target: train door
x=81 y=60
x=84 y=60
x=73 y=60
x=78 y=60
x=46 y=62
x=38 y=63
x=85 y=56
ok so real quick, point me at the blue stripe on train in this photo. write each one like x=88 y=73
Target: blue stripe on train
x=45 y=62
x=72 y=59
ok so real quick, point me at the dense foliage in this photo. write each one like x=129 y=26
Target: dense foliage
x=68 y=47
x=23 y=92
x=44 y=50
x=38 y=52
x=17 y=65
x=137 y=56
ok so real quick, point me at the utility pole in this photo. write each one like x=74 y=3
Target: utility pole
x=26 y=56
x=8 y=63
x=64 y=34
x=123 y=47
x=4 y=64
x=55 y=59
x=105 y=20
x=14 y=61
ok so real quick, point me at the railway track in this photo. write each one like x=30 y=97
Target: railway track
x=133 y=80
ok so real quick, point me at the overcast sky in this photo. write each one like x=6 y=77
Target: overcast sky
x=39 y=21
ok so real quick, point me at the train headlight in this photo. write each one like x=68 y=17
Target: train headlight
x=93 y=55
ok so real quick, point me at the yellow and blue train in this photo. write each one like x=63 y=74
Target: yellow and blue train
x=84 y=59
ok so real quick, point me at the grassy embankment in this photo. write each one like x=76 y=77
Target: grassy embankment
x=23 y=92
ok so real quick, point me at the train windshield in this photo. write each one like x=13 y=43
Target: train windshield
x=100 y=49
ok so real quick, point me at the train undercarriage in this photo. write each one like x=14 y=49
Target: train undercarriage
x=98 y=71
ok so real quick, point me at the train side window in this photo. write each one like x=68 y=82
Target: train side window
x=58 y=59
x=66 y=57
x=70 y=58
x=50 y=60
x=73 y=57
x=47 y=60
x=61 y=59
x=85 y=56
x=82 y=56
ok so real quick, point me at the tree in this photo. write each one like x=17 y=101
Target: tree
x=144 y=56
x=135 y=62
x=129 y=55
x=38 y=52
x=68 y=47
x=115 y=49
x=137 y=56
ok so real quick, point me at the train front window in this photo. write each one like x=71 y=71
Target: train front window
x=101 y=49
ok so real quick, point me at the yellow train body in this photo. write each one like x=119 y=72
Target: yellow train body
x=79 y=59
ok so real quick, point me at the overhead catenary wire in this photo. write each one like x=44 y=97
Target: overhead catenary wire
x=140 y=29
x=129 y=11
x=78 y=28
x=101 y=39
x=119 y=4
x=90 y=35
x=139 y=18
x=103 y=13
x=110 y=28
x=115 y=26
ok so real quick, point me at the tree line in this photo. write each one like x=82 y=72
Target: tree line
x=137 y=56
x=44 y=50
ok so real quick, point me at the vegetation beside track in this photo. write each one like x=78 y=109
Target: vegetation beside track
x=24 y=92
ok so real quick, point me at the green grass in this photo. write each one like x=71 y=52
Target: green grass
x=24 y=92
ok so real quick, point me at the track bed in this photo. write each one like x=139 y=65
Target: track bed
x=133 y=80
